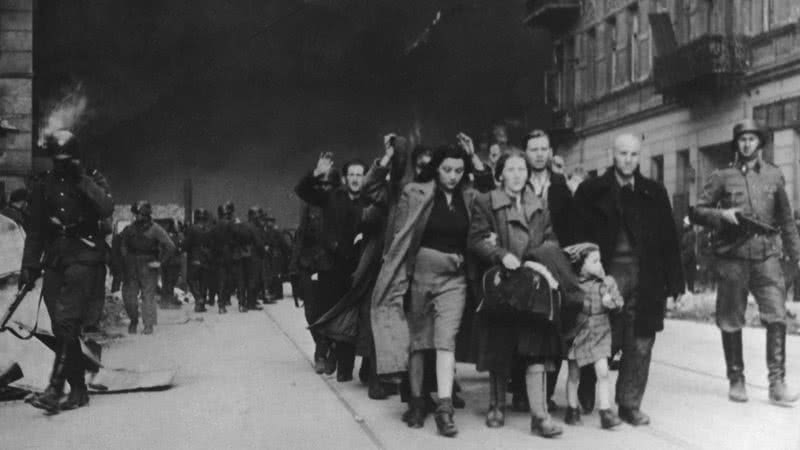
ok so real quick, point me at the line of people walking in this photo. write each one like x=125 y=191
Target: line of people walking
x=224 y=257
x=427 y=256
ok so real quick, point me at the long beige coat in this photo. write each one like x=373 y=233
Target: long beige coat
x=389 y=326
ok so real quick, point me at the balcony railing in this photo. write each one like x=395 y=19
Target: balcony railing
x=555 y=15
x=713 y=64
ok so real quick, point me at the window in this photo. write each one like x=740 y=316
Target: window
x=633 y=44
x=611 y=51
x=657 y=168
x=568 y=82
x=759 y=16
x=683 y=178
x=591 y=64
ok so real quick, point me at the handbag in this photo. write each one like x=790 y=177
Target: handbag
x=521 y=295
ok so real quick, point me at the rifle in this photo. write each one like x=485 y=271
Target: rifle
x=12 y=308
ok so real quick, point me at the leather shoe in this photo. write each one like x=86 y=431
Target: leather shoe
x=319 y=366
x=573 y=416
x=415 y=416
x=545 y=427
x=444 y=418
x=255 y=308
x=376 y=391
x=608 y=419
x=343 y=377
x=199 y=308
x=495 y=417
x=634 y=416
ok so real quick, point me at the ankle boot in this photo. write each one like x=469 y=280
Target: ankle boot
x=495 y=416
x=416 y=414
x=444 y=418
x=375 y=391
x=732 y=347
x=573 y=416
x=608 y=419
x=545 y=427
x=779 y=392
x=541 y=421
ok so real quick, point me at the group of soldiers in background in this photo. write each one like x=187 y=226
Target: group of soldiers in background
x=224 y=257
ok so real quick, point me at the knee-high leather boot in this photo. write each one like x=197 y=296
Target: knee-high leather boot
x=779 y=392
x=50 y=399
x=732 y=346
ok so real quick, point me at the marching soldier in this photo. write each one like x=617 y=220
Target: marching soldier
x=145 y=247
x=748 y=207
x=198 y=252
x=64 y=240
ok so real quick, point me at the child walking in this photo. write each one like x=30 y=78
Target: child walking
x=592 y=343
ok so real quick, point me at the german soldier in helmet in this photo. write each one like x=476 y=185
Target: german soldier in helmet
x=64 y=240
x=747 y=206
x=144 y=247
x=198 y=253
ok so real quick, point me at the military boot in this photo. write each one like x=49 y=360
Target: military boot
x=732 y=346
x=78 y=394
x=50 y=399
x=779 y=392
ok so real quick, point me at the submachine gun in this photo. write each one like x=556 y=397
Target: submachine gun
x=732 y=236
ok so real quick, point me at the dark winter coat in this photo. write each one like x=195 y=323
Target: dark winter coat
x=598 y=218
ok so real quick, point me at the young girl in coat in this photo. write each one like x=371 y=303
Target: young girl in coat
x=592 y=343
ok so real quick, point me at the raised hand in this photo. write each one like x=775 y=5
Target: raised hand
x=324 y=164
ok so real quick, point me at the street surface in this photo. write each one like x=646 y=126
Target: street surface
x=245 y=381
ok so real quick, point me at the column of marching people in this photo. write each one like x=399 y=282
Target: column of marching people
x=428 y=256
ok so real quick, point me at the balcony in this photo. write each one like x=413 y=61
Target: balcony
x=712 y=64
x=555 y=15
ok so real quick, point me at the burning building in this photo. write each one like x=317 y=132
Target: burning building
x=16 y=93
x=679 y=73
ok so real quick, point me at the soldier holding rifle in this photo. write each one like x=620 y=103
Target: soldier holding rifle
x=65 y=241
x=747 y=205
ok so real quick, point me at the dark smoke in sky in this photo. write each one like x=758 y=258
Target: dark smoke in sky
x=242 y=95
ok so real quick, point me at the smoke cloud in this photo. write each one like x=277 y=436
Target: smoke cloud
x=67 y=113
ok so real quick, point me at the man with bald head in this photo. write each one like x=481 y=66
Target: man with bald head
x=630 y=218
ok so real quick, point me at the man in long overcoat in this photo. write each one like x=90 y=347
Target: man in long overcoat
x=630 y=218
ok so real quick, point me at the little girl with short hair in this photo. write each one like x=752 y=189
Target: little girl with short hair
x=592 y=343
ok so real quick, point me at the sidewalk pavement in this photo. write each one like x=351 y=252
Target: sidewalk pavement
x=245 y=381
x=686 y=399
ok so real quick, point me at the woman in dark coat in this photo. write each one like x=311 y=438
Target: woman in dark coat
x=510 y=225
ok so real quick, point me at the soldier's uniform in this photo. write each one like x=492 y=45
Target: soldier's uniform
x=144 y=247
x=254 y=267
x=171 y=269
x=227 y=254
x=65 y=240
x=276 y=261
x=198 y=251
x=749 y=261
